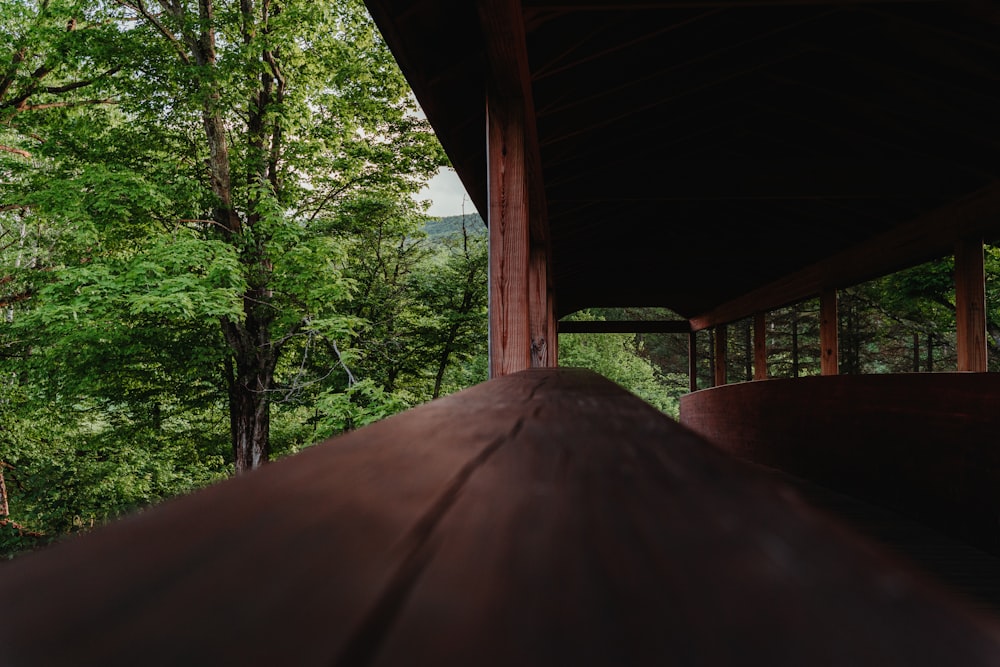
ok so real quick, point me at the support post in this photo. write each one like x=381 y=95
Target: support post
x=541 y=312
x=970 y=305
x=828 y=341
x=509 y=332
x=721 y=344
x=759 y=346
x=692 y=361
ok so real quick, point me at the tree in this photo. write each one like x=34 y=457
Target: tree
x=211 y=191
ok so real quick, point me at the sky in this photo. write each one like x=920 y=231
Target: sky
x=447 y=195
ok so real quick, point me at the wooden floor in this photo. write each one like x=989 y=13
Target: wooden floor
x=546 y=518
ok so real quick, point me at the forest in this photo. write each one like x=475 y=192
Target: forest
x=212 y=255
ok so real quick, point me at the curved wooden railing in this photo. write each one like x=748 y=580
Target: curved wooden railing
x=545 y=518
x=927 y=445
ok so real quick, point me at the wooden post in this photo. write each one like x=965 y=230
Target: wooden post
x=692 y=361
x=509 y=329
x=541 y=312
x=970 y=305
x=828 y=332
x=759 y=346
x=721 y=340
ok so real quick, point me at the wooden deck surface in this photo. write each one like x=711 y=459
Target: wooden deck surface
x=545 y=518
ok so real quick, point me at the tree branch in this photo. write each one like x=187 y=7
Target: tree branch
x=59 y=105
x=15 y=151
x=160 y=28
x=81 y=84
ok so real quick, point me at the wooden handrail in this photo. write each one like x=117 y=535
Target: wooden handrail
x=547 y=517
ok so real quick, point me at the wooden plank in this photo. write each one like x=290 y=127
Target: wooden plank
x=507 y=53
x=509 y=335
x=547 y=572
x=282 y=566
x=828 y=333
x=922 y=444
x=930 y=235
x=760 y=346
x=970 y=305
x=720 y=365
x=625 y=326
x=540 y=308
x=547 y=517
x=692 y=361
x=553 y=325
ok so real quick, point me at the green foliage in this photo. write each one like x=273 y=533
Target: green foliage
x=619 y=357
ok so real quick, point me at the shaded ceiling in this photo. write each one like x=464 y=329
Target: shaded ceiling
x=695 y=154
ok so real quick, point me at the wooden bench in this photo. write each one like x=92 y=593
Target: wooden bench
x=545 y=518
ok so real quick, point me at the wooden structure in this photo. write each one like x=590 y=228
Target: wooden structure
x=526 y=521
x=718 y=158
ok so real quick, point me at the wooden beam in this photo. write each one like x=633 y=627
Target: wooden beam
x=692 y=361
x=970 y=305
x=721 y=347
x=507 y=54
x=545 y=518
x=759 y=346
x=625 y=326
x=540 y=309
x=828 y=341
x=553 y=324
x=927 y=237
x=509 y=319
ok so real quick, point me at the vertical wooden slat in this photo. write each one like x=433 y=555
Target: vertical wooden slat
x=829 y=357
x=721 y=340
x=693 y=361
x=540 y=312
x=509 y=333
x=759 y=346
x=970 y=305
x=553 y=328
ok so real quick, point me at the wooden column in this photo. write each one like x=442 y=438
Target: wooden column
x=970 y=305
x=721 y=340
x=828 y=343
x=759 y=346
x=693 y=361
x=509 y=332
x=541 y=312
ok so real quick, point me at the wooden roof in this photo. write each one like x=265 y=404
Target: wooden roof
x=718 y=157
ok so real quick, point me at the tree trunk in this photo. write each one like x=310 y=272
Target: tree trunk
x=251 y=380
x=4 y=509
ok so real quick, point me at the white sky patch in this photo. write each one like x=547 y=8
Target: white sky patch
x=445 y=191
x=447 y=195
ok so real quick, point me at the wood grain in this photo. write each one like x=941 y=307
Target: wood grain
x=828 y=333
x=510 y=335
x=970 y=305
x=546 y=517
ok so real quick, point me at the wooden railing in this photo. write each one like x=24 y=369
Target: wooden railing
x=544 y=518
x=924 y=444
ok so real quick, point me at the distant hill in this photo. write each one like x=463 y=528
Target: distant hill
x=450 y=226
